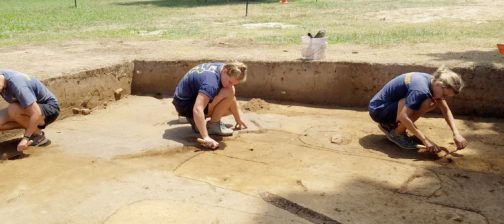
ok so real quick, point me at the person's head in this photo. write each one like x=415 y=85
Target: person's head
x=233 y=73
x=446 y=83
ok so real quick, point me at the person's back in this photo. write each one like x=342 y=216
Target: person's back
x=415 y=87
x=204 y=78
x=25 y=89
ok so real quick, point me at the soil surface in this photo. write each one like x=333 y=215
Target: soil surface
x=135 y=161
x=52 y=60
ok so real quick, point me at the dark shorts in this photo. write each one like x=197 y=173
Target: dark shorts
x=185 y=108
x=50 y=112
x=386 y=114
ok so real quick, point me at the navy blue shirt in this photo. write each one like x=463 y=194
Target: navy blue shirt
x=204 y=78
x=25 y=89
x=415 y=87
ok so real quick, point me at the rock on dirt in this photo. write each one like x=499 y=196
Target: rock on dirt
x=118 y=93
x=340 y=139
x=86 y=111
x=76 y=110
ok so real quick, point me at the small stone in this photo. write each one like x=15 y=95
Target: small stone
x=86 y=111
x=337 y=139
x=118 y=93
x=76 y=110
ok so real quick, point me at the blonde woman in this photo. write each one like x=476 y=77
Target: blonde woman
x=407 y=97
x=207 y=90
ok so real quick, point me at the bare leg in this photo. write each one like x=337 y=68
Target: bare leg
x=6 y=123
x=221 y=104
x=426 y=106
x=18 y=115
x=10 y=126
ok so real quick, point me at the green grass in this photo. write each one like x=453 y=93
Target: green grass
x=346 y=21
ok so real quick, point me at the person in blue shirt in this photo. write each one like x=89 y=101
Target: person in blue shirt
x=407 y=97
x=207 y=91
x=31 y=107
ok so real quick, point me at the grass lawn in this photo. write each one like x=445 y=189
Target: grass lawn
x=372 y=22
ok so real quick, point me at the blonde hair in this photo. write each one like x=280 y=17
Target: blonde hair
x=236 y=70
x=449 y=79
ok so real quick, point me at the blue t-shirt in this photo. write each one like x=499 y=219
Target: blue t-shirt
x=25 y=89
x=415 y=87
x=204 y=78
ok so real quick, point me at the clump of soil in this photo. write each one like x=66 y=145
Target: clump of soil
x=256 y=104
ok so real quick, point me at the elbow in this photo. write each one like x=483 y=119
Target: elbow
x=197 y=111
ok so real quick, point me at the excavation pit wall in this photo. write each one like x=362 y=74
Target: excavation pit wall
x=87 y=89
x=319 y=83
x=328 y=83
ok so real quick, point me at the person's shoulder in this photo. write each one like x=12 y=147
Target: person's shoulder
x=214 y=66
x=422 y=74
x=419 y=75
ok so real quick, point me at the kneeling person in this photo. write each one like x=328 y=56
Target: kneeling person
x=31 y=107
x=207 y=90
x=407 y=97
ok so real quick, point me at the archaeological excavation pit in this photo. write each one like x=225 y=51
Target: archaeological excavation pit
x=311 y=153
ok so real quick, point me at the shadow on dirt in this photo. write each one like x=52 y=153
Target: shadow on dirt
x=8 y=150
x=381 y=144
x=478 y=57
x=185 y=135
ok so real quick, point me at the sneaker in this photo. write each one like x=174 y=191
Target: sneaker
x=40 y=140
x=218 y=128
x=402 y=140
x=193 y=125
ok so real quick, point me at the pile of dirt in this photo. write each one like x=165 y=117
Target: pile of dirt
x=256 y=104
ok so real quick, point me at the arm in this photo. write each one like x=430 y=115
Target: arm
x=459 y=140
x=236 y=114
x=404 y=116
x=199 y=119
